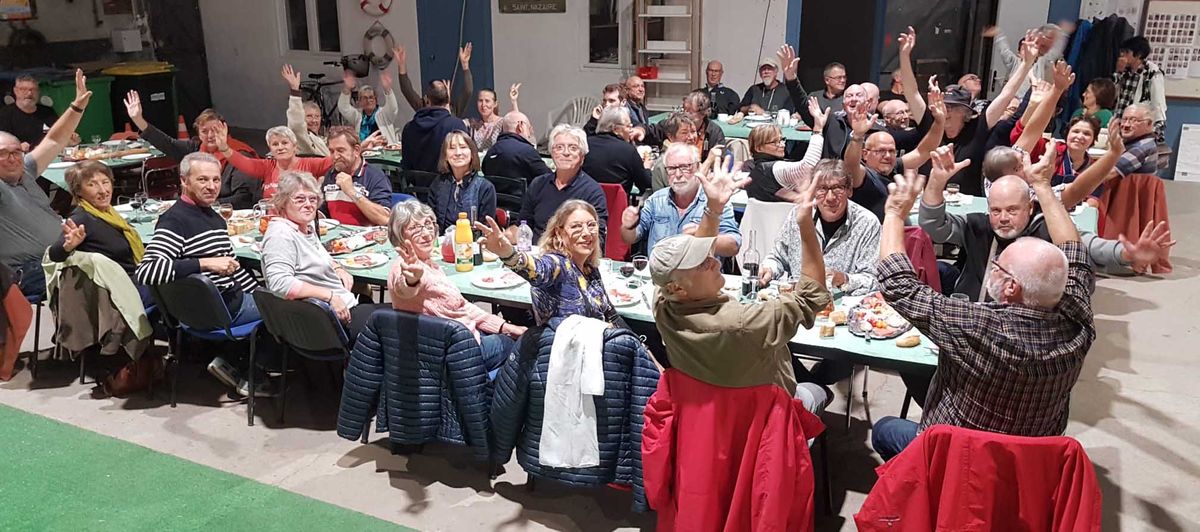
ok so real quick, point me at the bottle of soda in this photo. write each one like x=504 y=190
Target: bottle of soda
x=524 y=238
x=464 y=260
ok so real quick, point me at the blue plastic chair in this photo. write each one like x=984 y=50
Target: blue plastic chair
x=397 y=197
x=194 y=306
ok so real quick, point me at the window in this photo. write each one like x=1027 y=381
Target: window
x=604 y=43
x=312 y=25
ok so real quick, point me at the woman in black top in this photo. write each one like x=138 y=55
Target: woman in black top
x=769 y=172
x=94 y=226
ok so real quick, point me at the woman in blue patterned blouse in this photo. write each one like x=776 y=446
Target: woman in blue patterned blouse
x=565 y=279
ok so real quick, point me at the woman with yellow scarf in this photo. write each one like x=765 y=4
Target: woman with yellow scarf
x=94 y=226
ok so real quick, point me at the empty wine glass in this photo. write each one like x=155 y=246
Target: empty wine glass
x=97 y=139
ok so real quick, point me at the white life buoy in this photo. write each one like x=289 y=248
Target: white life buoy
x=376 y=31
x=375 y=8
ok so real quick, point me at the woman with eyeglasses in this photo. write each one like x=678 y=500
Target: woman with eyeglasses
x=565 y=279
x=460 y=185
x=419 y=285
x=770 y=173
x=568 y=181
x=296 y=265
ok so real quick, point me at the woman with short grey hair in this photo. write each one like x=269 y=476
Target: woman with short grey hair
x=282 y=142
x=419 y=285
x=296 y=265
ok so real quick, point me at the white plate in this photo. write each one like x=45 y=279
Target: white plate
x=371 y=153
x=242 y=213
x=498 y=280
x=363 y=261
x=112 y=142
x=240 y=241
x=621 y=296
x=329 y=223
x=61 y=164
x=136 y=157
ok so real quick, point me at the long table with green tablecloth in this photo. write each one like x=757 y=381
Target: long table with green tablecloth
x=741 y=130
x=877 y=353
x=56 y=173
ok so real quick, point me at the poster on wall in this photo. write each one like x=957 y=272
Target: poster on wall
x=1188 y=168
x=533 y=6
x=1173 y=29
x=1130 y=9
x=17 y=9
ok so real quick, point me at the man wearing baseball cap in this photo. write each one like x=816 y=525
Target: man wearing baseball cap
x=770 y=95
x=725 y=342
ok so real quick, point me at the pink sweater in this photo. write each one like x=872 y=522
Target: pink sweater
x=435 y=295
x=268 y=169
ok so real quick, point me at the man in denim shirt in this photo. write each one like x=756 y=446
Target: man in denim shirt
x=679 y=208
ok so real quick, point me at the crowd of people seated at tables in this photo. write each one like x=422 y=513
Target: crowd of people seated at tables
x=1025 y=270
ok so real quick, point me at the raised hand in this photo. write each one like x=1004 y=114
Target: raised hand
x=514 y=92
x=1151 y=247
x=221 y=136
x=805 y=197
x=903 y=192
x=401 y=58
x=597 y=110
x=348 y=81
x=410 y=268
x=907 y=40
x=464 y=56
x=860 y=122
x=386 y=81
x=73 y=235
x=719 y=184
x=494 y=239
x=1039 y=90
x=937 y=104
x=820 y=118
x=788 y=60
x=1116 y=143
x=1029 y=50
x=991 y=32
x=1063 y=76
x=82 y=94
x=133 y=105
x=630 y=217
x=291 y=76
x=1040 y=174
x=944 y=166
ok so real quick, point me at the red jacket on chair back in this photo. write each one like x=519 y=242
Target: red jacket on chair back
x=615 y=247
x=951 y=478
x=919 y=248
x=727 y=459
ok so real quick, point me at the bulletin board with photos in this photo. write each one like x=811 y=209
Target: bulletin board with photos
x=1173 y=29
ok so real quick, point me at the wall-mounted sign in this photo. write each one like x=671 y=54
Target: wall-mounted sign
x=533 y=6
x=16 y=9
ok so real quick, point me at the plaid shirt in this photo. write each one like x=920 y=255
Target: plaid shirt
x=1127 y=85
x=1002 y=368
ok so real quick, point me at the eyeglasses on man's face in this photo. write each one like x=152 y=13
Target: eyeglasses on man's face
x=573 y=149
x=837 y=191
x=681 y=168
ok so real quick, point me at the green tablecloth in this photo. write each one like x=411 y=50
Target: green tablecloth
x=742 y=131
x=58 y=176
x=879 y=353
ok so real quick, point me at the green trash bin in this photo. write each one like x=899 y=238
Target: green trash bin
x=97 y=118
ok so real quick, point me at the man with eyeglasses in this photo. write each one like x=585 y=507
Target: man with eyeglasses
x=27 y=222
x=1141 y=148
x=872 y=163
x=724 y=99
x=680 y=208
x=568 y=181
x=1006 y=366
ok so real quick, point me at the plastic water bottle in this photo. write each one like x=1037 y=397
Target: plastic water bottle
x=524 y=238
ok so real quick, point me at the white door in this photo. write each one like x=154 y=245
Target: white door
x=1014 y=17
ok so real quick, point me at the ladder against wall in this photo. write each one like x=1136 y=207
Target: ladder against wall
x=668 y=46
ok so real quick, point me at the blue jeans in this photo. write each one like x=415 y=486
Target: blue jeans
x=890 y=435
x=248 y=312
x=495 y=349
x=33 y=278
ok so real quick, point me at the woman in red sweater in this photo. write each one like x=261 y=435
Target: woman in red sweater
x=282 y=143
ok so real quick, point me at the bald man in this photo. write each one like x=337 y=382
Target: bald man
x=871 y=164
x=635 y=99
x=1007 y=366
x=514 y=154
x=837 y=132
x=1011 y=215
x=724 y=99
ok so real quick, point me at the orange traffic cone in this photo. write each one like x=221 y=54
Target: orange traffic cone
x=182 y=134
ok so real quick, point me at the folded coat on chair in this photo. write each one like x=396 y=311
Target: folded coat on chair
x=1129 y=203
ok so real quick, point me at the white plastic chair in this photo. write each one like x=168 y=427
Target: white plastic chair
x=575 y=112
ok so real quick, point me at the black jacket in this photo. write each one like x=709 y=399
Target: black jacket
x=656 y=135
x=724 y=100
x=422 y=137
x=612 y=160
x=513 y=156
x=241 y=190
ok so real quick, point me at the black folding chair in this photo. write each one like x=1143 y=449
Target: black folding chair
x=509 y=191
x=417 y=183
x=193 y=305
x=307 y=329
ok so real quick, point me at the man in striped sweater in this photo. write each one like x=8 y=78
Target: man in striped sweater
x=191 y=238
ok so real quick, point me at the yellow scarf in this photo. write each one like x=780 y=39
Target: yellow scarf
x=111 y=217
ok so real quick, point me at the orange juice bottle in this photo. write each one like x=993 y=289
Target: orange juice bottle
x=464 y=255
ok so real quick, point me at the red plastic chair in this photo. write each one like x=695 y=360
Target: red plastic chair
x=615 y=247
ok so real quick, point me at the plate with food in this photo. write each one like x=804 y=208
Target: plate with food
x=61 y=164
x=363 y=261
x=498 y=280
x=241 y=240
x=621 y=296
x=113 y=143
x=136 y=156
x=874 y=318
x=371 y=153
x=339 y=246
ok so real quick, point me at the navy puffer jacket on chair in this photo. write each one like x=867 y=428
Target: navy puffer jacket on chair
x=426 y=378
x=630 y=378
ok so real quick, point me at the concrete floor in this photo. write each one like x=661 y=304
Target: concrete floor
x=1134 y=410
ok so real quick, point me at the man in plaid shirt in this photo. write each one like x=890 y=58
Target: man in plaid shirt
x=1006 y=366
x=1140 y=80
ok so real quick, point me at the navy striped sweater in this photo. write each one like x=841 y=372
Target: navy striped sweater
x=183 y=235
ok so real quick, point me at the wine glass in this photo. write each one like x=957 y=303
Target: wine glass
x=226 y=210
x=626 y=270
x=138 y=203
x=640 y=262
x=97 y=139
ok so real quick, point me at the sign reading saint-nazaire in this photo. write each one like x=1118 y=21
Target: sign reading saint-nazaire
x=533 y=6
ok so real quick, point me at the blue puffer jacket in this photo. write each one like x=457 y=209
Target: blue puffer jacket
x=440 y=392
x=630 y=378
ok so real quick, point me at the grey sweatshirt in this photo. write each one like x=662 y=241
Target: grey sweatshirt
x=290 y=257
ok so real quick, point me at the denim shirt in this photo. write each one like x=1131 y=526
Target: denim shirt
x=660 y=218
x=448 y=199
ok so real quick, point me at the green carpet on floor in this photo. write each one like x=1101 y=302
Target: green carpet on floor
x=54 y=476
